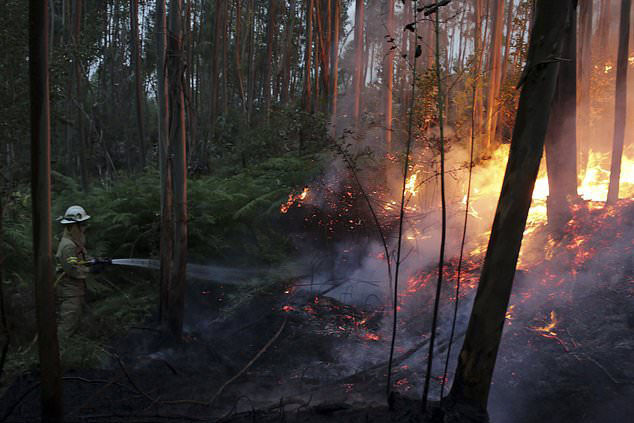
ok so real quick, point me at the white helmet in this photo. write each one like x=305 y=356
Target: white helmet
x=74 y=214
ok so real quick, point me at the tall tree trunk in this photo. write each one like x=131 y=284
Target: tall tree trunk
x=238 y=56
x=388 y=73
x=561 y=138
x=48 y=347
x=477 y=67
x=288 y=52
x=334 y=64
x=603 y=36
x=308 y=56
x=470 y=391
x=620 y=102
x=495 y=70
x=165 y=166
x=251 y=57
x=77 y=76
x=585 y=73
x=507 y=45
x=178 y=150
x=357 y=78
x=215 y=77
x=138 y=80
x=270 y=35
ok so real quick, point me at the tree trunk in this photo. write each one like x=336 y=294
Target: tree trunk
x=495 y=70
x=238 y=56
x=77 y=76
x=585 y=73
x=288 y=52
x=603 y=36
x=479 y=52
x=48 y=347
x=357 y=80
x=270 y=33
x=620 y=102
x=470 y=391
x=167 y=208
x=561 y=138
x=334 y=64
x=308 y=56
x=251 y=58
x=507 y=45
x=388 y=73
x=178 y=150
x=215 y=77
x=136 y=54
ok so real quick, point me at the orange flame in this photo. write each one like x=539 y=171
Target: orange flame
x=294 y=199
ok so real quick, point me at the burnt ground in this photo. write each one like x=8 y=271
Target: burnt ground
x=294 y=357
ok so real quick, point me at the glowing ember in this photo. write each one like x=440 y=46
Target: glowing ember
x=371 y=337
x=607 y=68
x=294 y=199
x=288 y=308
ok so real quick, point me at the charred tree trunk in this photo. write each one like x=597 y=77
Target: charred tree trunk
x=388 y=73
x=585 y=73
x=178 y=143
x=495 y=71
x=251 y=57
x=138 y=80
x=470 y=391
x=561 y=138
x=357 y=79
x=620 y=102
x=167 y=207
x=41 y=198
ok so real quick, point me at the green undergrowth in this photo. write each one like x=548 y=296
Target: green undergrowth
x=233 y=219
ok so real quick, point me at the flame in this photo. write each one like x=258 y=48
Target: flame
x=410 y=187
x=294 y=199
x=547 y=330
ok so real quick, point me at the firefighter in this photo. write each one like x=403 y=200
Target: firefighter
x=73 y=269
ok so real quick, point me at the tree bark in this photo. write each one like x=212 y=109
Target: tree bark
x=495 y=70
x=48 y=347
x=138 y=80
x=561 y=137
x=166 y=241
x=620 y=102
x=358 y=62
x=178 y=150
x=470 y=391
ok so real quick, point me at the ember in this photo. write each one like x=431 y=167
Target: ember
x=294 y=199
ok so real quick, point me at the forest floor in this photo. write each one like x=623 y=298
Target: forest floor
x=283 y=354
